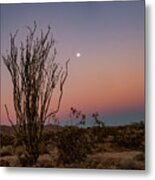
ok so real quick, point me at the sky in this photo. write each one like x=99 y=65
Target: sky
x=108 y=76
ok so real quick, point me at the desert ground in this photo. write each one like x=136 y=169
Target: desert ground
x=117 y=147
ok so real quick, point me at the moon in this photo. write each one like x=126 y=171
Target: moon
x=78 y=55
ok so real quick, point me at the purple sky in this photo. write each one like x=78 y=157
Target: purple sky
x=109 y=75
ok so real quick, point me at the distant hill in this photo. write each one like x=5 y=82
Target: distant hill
x=6 y=129
x=50 y=127
x=9 y=130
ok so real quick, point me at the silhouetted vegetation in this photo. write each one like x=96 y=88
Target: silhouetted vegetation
x=118 y=147
x=6 y=139
x=74 y=145
x=130 y=138
x=97 y=121
x=35 y=74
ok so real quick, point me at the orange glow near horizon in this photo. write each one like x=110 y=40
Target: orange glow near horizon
x=98 y=89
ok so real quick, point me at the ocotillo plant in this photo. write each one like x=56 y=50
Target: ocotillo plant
x=35 y=74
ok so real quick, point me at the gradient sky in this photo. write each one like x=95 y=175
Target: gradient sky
x=108 y=77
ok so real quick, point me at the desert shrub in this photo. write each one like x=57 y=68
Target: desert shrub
x=99 y=134
x=6 y=151
x=43 y=148
x=131 y=136
x=18 y=141
x=4 y=163
x=47 y=136
x=19 y=150
x=50 y=137
x=24 y=160
x=23 y=157
x=74 y=145
x=45 y=161
x=6 y=139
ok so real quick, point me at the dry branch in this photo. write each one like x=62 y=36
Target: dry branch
x=35 y=74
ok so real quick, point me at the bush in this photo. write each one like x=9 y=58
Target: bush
x=43 y=148
x=130 y=138
x=74 y=145
x=6 y=139
x=4 y=163
x=47 y=136
x=50 y=137
x=6 y=151
x=99 y=134
x=19 y=150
